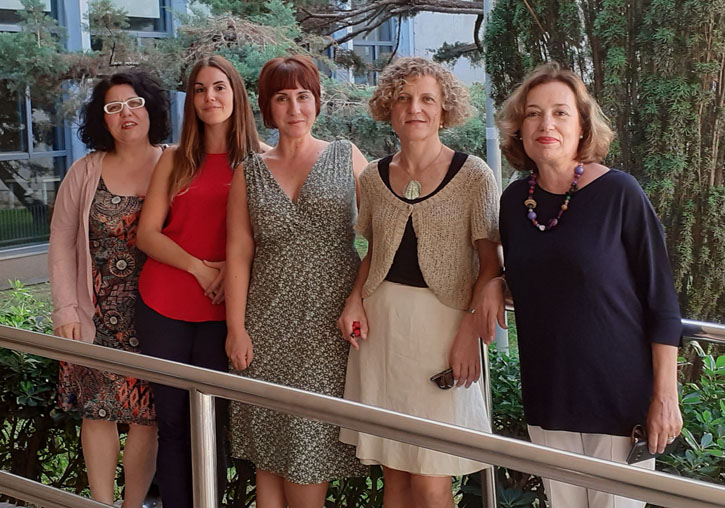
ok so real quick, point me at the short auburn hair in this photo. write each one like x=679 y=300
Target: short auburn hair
x=285 y=73
x=596 y=133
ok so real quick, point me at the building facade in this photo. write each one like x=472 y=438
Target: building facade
x=36 y=149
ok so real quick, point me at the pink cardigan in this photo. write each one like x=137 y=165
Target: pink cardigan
x=69 y=256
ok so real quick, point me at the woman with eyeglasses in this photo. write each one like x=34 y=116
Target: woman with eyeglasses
x=181 y=312
x=94 y=265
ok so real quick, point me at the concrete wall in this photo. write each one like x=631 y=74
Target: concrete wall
x=431 y=29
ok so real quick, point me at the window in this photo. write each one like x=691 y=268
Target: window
x=374 y=49
x=10 y=18
x=35 y=142
x=145 y=16
x=32 y=161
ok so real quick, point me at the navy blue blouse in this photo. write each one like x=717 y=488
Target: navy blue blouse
x=591 y=296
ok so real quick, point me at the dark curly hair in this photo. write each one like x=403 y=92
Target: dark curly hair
x=93 y=131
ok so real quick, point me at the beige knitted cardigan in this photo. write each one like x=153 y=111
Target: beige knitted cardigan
x=447 y=224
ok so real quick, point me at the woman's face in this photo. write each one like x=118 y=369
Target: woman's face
x=294 y=111
x=213 y=96
x=551 y=128
x=417 y=112
x=128 y=125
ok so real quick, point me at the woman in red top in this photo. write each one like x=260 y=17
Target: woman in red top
x=181 y=316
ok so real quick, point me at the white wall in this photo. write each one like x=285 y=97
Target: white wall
x=432 y=29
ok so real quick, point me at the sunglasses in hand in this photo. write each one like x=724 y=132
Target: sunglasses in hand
x=444 y=380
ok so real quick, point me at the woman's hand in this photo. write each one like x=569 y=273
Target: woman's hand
x=490 y=310
x=238 y=347
x=352 y=313
x=216 y=289
x=208 y=275
x=465 y=355
x=69 y=331
x=664 y=422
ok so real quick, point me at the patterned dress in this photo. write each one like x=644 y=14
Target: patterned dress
x=303 y=270
x=96 y=394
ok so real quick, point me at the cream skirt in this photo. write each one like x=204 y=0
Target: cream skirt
x=409 y=339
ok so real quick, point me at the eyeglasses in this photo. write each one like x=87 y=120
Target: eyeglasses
x=444 y=380
x=115 y=107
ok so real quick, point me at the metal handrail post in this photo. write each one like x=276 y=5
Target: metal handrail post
x=488 y=476
x=203 y=449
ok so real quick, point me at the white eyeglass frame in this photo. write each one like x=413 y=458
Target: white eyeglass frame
x=124 y=103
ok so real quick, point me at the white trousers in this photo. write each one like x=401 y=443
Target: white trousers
x=600 y=446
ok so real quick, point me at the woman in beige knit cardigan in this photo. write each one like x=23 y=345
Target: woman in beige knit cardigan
x=430 y=216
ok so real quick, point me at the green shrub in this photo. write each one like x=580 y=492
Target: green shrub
x=514 y=489
x=36 y=440
x=702 y=454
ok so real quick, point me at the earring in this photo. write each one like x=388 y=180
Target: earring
x=581 y=136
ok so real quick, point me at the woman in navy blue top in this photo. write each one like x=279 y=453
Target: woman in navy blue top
x=596 y=312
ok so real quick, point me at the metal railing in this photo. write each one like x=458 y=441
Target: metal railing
x=700 y=330
x=203 y=385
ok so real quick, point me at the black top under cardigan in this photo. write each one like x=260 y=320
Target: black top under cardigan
x=405 y=268
x=591 y=296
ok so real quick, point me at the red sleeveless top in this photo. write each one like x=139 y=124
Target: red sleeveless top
x=197 y=222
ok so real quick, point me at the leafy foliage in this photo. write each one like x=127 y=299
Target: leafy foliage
x=658 y=76
x=36 y=440
x=34 y=53
x=702 y=456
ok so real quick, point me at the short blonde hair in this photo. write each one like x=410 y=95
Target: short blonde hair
x=456 y=99
x=596 y=133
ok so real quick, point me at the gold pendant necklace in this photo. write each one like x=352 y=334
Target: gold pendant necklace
x=412 y=190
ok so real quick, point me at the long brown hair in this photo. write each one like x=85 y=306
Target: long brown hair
x=242 y=136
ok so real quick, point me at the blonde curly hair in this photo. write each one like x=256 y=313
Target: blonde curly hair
x=456 y=99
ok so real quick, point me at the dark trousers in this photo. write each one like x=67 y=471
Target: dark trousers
x=200 y=344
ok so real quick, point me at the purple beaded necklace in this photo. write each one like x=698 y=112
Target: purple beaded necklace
x=531 y=204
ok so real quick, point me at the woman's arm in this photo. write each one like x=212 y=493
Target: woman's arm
x=644 y=242
x=62 y=254
x=359 y=162
x=157 y=245
x=485 y=315
x=354 y=310
x=240 y=253
x=464 y=357
x=664 y=420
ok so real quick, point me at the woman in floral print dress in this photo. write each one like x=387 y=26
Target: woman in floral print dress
x=290 y=264
x=94 y=267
